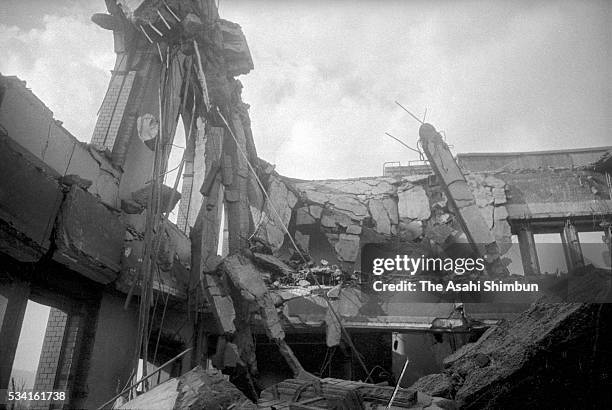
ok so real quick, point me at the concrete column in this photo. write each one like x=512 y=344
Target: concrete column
x=238 y=214
x=110 y=347
x=14 y=307
x=529 y=253
x=425 y=352
x=571 y=245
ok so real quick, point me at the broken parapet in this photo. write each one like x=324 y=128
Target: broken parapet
x=550 y=356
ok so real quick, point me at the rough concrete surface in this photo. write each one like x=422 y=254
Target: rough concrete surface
x=550 y=356
x=196 y=389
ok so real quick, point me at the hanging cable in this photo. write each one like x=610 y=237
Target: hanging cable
x=151 y=244
x=323 y=293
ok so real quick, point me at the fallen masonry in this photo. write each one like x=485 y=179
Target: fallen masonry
x=539 y=352
x=551 y=355
x=198 y=388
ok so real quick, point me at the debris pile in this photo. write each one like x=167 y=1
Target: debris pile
x=196 y=389
x=330 y=393
x=551 y=355
x=346 y=214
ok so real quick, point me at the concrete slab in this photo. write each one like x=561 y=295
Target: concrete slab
x=30 y=197
x=89 y=237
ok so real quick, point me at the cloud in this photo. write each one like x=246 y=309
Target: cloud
x=495 y=76
x=66 y=63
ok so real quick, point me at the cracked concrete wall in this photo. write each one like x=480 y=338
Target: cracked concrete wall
x=350 y=213
x=555 y=185
x=560 y=193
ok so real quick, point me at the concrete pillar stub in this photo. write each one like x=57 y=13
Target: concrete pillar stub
x=529 y=253
x=571 y=246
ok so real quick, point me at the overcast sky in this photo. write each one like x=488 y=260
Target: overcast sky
x=496 y=76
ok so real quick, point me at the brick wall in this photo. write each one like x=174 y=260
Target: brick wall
x=112 y=110
x=50 y=354
x=68 y=353
x=56 y=358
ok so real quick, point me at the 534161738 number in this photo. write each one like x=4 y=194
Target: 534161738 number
x=35 y=395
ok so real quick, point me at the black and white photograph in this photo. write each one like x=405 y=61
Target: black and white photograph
x=305 y=204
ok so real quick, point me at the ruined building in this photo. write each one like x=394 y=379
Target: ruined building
x=261 y=275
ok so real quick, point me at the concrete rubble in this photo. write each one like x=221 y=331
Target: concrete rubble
x=198 y=388
x=532 y=358
x=346 y=211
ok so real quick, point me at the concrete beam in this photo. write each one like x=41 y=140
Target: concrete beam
x=89 y=237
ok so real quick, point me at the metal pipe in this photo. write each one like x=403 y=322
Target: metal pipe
x=164 y=20
x=146 y=35
x=411 y=114
x=159 y=33
x=397 y=385
x=144 y=378
x=172 y=12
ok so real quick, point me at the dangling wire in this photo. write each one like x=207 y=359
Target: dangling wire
x=347 y=336
x=327 y=361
